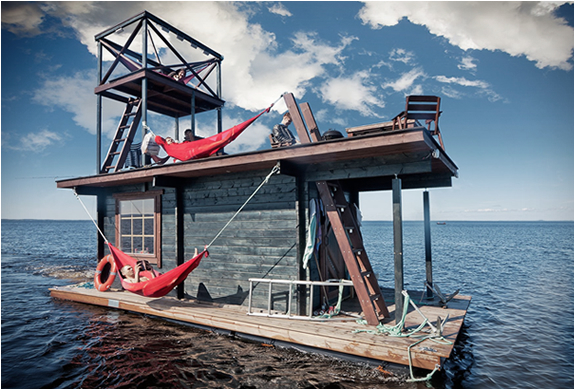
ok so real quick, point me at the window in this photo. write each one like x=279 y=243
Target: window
x=138 y=225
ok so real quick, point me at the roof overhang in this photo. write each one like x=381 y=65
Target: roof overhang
x=368 y=162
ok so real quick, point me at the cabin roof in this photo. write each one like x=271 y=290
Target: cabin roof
x=411 y=154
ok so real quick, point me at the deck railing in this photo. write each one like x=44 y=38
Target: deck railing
x=291 y=283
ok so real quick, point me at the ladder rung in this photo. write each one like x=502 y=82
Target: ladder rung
x=124 y=127
x=110 y=166
x=366 y=273
x=130 y=113
x=120 y=140
x=374 y=297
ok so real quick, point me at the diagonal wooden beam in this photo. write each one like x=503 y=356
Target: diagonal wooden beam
x=296 y=118
x=311 y=123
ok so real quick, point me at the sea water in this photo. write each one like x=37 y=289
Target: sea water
x=518 y=332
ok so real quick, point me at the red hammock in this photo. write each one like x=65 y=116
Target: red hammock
x=162 y=283
x=207 y=146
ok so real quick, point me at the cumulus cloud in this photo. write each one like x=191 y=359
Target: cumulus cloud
x=517 y=28
x=74 y=94
x=252 y=65
x=352 y=93
x=22 y=18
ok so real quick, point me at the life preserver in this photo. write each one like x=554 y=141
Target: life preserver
x=105 y=273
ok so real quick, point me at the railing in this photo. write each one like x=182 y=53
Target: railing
x=291 y=283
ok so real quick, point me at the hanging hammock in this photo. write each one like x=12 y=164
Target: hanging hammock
x=208 y=146
x=160 y=284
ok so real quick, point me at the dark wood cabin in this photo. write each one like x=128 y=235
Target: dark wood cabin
x=163 y=212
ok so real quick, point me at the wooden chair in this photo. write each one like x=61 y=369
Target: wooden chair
x=420 y=107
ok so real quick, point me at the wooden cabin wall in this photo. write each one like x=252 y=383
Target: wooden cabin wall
x=262 y=241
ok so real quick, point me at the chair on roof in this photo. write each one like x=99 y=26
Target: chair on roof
x=420 y=107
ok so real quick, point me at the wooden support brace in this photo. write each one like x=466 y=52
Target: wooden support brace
x=296 y=118
x=310 y=121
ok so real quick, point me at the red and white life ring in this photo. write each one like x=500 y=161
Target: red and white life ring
x=105 y=273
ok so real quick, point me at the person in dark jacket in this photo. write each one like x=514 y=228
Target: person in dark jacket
x=281 y=135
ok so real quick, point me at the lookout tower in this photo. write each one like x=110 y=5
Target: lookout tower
x=147 y=64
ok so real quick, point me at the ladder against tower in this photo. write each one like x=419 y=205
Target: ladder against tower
x=124 y=136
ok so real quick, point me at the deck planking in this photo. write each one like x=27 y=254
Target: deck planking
x=329 y=335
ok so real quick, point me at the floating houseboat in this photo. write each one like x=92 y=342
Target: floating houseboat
x=271 y=273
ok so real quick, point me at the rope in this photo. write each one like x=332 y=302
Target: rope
x=274 y=170
x=89 y=215
x=397 y=331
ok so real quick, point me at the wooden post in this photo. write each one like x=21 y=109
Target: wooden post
x=397 y=247
x=301 y=206
x=427 y=227
x=145 y=79
x=180 y=248
x=296 y=118
x=100 y=214
x=193 y=114
x=99 y=116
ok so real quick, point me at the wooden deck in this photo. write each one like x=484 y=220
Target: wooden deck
x=329 y=335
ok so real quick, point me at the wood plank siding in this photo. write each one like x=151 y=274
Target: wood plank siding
x=262 y=240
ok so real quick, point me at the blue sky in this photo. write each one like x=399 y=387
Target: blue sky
x=504 y=72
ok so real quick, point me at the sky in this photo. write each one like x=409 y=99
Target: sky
x=504 y=72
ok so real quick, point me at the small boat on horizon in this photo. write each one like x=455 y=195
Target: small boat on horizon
x=441 y=223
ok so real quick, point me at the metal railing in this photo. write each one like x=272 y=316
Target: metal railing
x=291 y=283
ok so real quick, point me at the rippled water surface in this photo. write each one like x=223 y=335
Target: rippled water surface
x=518 y=332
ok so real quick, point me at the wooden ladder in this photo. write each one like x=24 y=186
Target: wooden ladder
x=350 y=242
x=122 y=141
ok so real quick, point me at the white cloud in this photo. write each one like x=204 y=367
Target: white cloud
x=279 y=9
x=352 y=93
x=517 y=28
x=401 y=55
x=255 y=73
x=462 y=81
x=22 y=18
x=484 y=87
x=35 y=142
x=75 y=95
x=406 y=80
x=467 y=63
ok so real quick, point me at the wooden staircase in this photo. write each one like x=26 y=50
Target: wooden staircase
x=350 y=242
x=124 y=136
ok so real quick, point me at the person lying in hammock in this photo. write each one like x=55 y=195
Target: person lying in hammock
x=132 y=276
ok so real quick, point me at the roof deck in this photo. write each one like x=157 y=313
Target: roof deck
x=411 y=154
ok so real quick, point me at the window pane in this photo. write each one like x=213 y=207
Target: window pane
x=137 y=244
x=137 y=226
x=125 y=226
x=149 y=245
x=149 y=226
x=148 y=207
x=126 y=244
